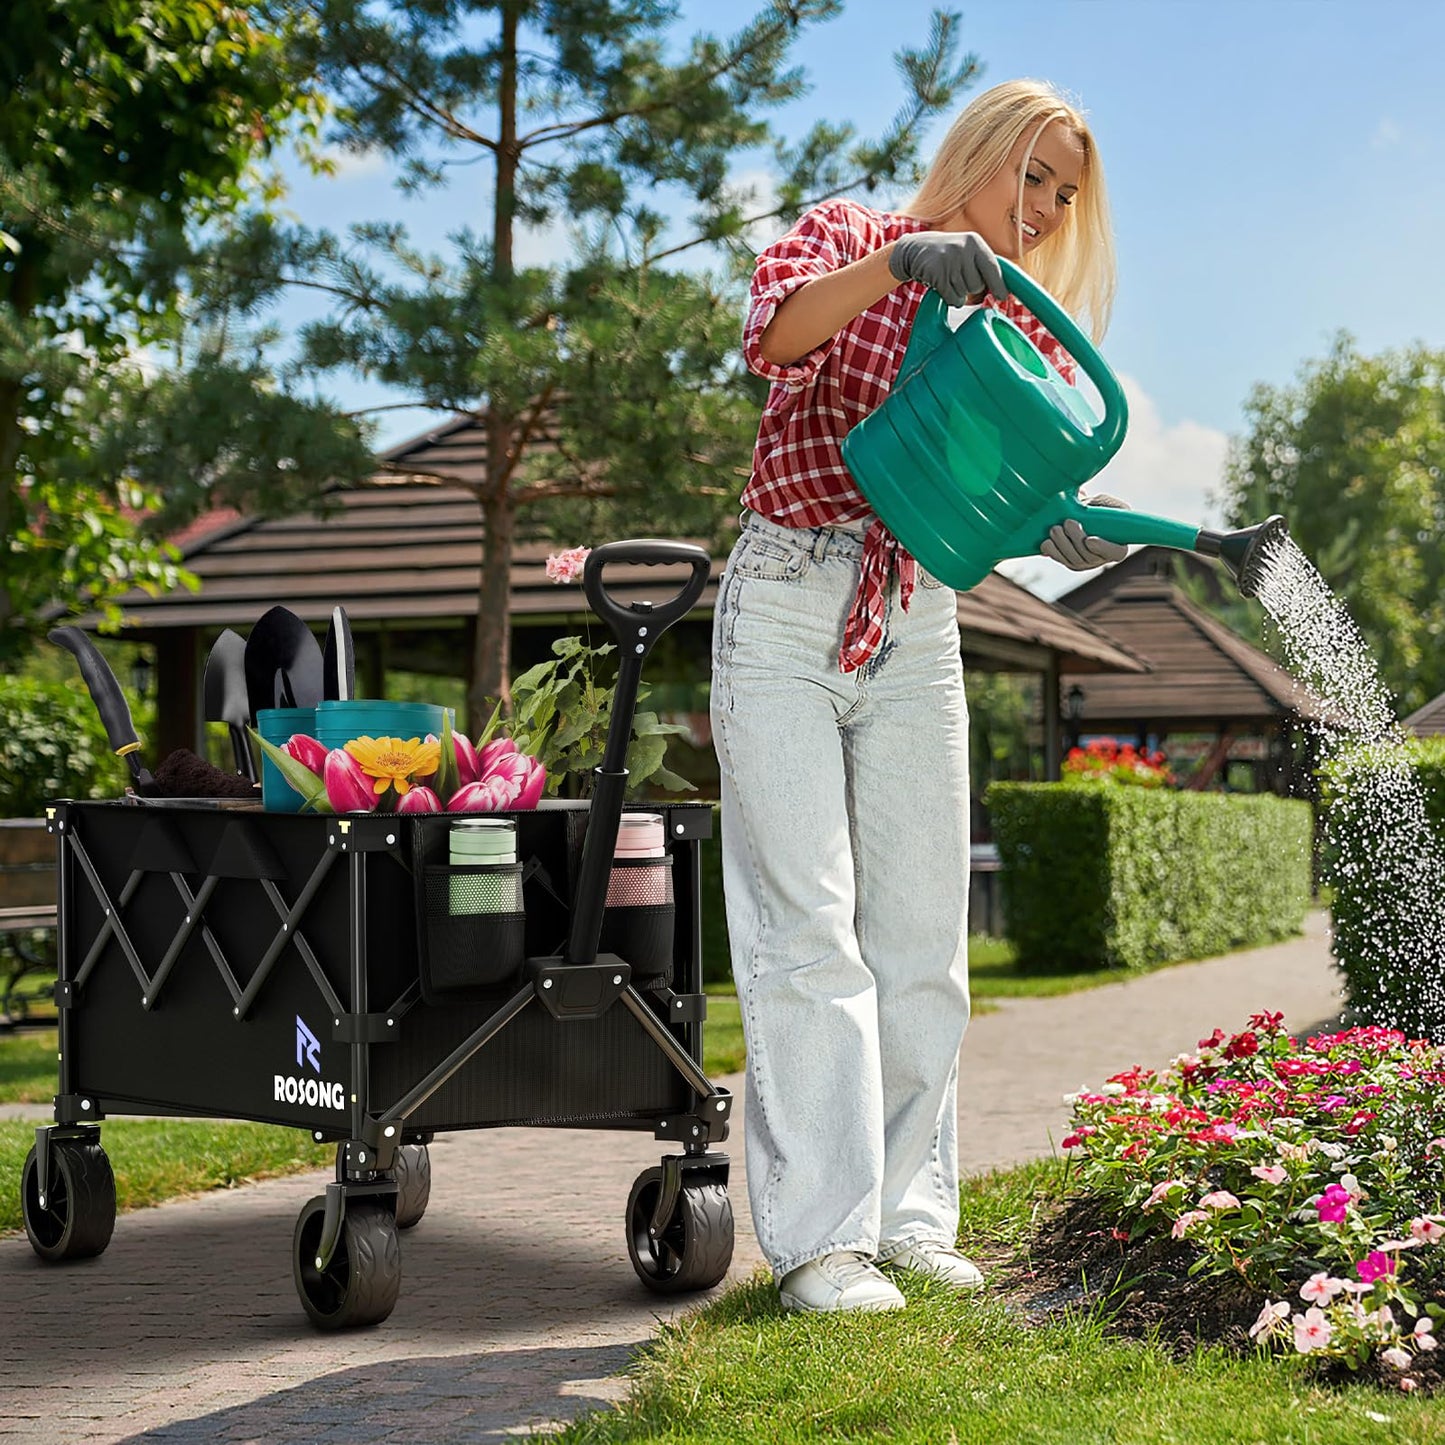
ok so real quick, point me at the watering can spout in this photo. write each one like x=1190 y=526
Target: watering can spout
x=1244 y=552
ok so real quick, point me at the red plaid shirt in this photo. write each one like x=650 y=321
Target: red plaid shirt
x=798 y=478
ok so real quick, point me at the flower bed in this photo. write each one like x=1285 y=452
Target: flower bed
x=1309 y=1173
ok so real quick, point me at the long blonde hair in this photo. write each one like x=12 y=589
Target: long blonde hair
x=1075 y=262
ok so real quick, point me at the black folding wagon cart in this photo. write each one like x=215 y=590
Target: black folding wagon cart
x=340 y=974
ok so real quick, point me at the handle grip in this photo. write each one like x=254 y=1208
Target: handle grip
x=931 y=330
x=637 y=625
x=104 y=690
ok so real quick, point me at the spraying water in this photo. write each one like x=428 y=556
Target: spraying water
x=1385 y=865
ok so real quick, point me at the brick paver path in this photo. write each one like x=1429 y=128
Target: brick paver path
x=518 y=1304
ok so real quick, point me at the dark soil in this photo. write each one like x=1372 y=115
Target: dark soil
x=1076 y=1262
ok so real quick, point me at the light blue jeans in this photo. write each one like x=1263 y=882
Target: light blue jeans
x=845 y=870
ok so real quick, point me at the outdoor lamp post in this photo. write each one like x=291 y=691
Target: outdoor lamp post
x=1074 y=712
x=142 y=675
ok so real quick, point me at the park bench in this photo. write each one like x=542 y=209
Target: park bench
x=27 y=916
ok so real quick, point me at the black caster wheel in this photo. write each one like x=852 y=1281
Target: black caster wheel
x=413 y=1184
x=73 y=1215
x=696 y=1246
x=361 y=1284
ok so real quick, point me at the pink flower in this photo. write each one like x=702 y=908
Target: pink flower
x=487 y=756
x=1160 y=1191
x=1271 y=1319
x=491 y=795
x=1407 y=1384
x=522 y=774
x=419 y=800
x=1219 y=1199
x=1428 y=1229
x=347 y=787
x=567 y=566
x=1375 y=1265
x=1270 y=1173
x=1190 y=1216
x=1332 y=1204
x=1312 y=1331
x=308 y=752
x=1396 y=1358
x=469 y=769
x=1320 y=1288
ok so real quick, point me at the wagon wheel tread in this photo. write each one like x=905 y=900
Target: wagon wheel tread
x=79 y=1218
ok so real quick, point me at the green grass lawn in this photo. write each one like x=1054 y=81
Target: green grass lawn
x=159 y=1159
x=950 y=1368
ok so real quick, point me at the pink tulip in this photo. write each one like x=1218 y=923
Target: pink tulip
x=523 y=776
x=308 y=752
x=487 y=757
x=347 y=787
x=532 y=789
x=489 y=796
x=469 y=768
x=419 y=800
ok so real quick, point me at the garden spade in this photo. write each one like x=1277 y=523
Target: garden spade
x=284 y=666
x=224 y=690
x=340 y=658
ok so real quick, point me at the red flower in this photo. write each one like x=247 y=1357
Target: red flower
x=1241 y=1046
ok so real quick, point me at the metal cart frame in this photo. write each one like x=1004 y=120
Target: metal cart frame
x=241 y=964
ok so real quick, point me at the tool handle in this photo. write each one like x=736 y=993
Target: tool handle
x=104 y=690
x=931 y=330
x=109 y=700
x=636 y=626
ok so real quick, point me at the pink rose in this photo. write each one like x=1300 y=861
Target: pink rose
x=308 y=752
x=347 y=787
x=419 y=799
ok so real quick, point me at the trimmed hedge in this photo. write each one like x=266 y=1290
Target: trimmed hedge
x=1379 y=856
x=1100 y=876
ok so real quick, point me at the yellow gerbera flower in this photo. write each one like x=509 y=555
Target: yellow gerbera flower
x=394 y=762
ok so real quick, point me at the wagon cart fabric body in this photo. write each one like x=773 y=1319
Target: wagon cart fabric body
x=338 y=974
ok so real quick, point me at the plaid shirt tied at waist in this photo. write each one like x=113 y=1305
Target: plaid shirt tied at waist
x=799 y=478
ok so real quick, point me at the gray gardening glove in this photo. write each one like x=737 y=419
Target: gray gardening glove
x=956 y=264
x=1068 y=543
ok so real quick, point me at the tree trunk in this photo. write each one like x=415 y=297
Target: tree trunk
x=491 y=650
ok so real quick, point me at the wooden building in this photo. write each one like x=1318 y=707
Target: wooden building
x=1237 y=708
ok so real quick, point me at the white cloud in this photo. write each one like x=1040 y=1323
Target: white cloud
x=1171 y=471
x=1387 y=134
x=351 y=165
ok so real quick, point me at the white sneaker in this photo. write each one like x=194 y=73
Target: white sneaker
x=939 y=1262
x=838 y=1282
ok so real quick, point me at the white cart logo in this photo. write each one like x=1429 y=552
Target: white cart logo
x=292 y=1089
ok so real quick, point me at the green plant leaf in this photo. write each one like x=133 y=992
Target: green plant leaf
x=666 y=778
x=300 y=777
x=448 y=778
x=490 y=728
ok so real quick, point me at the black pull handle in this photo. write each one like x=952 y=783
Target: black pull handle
x=637 y=625
x=109 y=701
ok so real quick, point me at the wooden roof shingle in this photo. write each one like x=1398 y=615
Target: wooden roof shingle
x=1201 y=676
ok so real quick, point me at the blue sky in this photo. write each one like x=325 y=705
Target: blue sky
x=1275 y=171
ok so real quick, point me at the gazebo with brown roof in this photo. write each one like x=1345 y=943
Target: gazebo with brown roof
x=403 y=558
x=1203 y=678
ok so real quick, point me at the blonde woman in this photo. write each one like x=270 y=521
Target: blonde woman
x=839 y=715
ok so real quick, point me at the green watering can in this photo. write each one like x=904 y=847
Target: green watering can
x=982 y=446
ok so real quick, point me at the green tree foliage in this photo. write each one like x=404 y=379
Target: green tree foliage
x=126 y=123
x=1351 y=455
x=607 y=385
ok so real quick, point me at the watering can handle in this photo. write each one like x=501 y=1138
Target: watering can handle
x=931 y=329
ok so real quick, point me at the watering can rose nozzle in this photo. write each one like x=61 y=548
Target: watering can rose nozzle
x=1244 y=552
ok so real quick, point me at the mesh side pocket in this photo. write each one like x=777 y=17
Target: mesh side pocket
x=640 y=919
x=472 y=929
